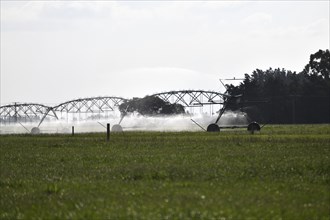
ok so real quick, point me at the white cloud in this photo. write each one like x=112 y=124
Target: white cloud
x=76 y=10
x=19 y=11
x=150 y=80
x=259 y=18
x=319 y=27
x=125 y=48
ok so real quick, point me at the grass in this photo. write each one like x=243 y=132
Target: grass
x=281 y=173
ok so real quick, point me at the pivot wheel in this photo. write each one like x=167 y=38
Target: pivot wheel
x=35 y=130
x=213 y=128
x=253 y=126
x=116 y=128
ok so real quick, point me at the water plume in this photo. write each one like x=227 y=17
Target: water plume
x=131 y=122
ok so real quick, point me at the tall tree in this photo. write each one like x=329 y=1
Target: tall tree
x=292 y=97
x=319 y=64
x=151 y=105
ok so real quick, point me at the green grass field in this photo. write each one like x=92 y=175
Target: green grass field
x=281 y=173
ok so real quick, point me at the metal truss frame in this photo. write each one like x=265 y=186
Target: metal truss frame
x=101 y=104
x=30 y=111
x=90 y=105
x=192 y=98
x=18 y=111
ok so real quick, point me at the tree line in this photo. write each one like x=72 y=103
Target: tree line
x=283 y=96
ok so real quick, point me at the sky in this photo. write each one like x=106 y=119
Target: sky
x=56 y=51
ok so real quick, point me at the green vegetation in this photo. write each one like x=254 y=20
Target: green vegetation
x=280 y=173
x=281 y=96
x=150 y=105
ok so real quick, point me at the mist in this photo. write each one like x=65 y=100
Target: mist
x=131 y=122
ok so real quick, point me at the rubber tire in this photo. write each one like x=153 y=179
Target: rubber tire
x=213 y=128
x=253 y=126
x=116 y=128
x=35 y=130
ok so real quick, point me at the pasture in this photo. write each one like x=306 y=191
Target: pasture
x=283 y=172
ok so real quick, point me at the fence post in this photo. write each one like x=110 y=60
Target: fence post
x=72 y=130
x=108 y=132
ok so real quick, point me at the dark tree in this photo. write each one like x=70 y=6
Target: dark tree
x=291 y=97
x=319 y=64
x=151 y=105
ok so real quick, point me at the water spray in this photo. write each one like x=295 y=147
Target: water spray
x=24 y=127
x=102 y=125
x=198 y=124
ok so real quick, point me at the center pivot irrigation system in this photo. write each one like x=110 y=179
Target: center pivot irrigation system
x=16 y=112
x=199 y=98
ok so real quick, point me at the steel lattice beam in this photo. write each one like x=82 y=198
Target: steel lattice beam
x=90 y=105
x=33 y=110
x=19 y=111
x=192 y=98
x=187 y=98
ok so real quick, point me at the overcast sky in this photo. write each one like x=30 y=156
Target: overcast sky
x=55 y=51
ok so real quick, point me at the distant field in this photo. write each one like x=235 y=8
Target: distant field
x=281 y=173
